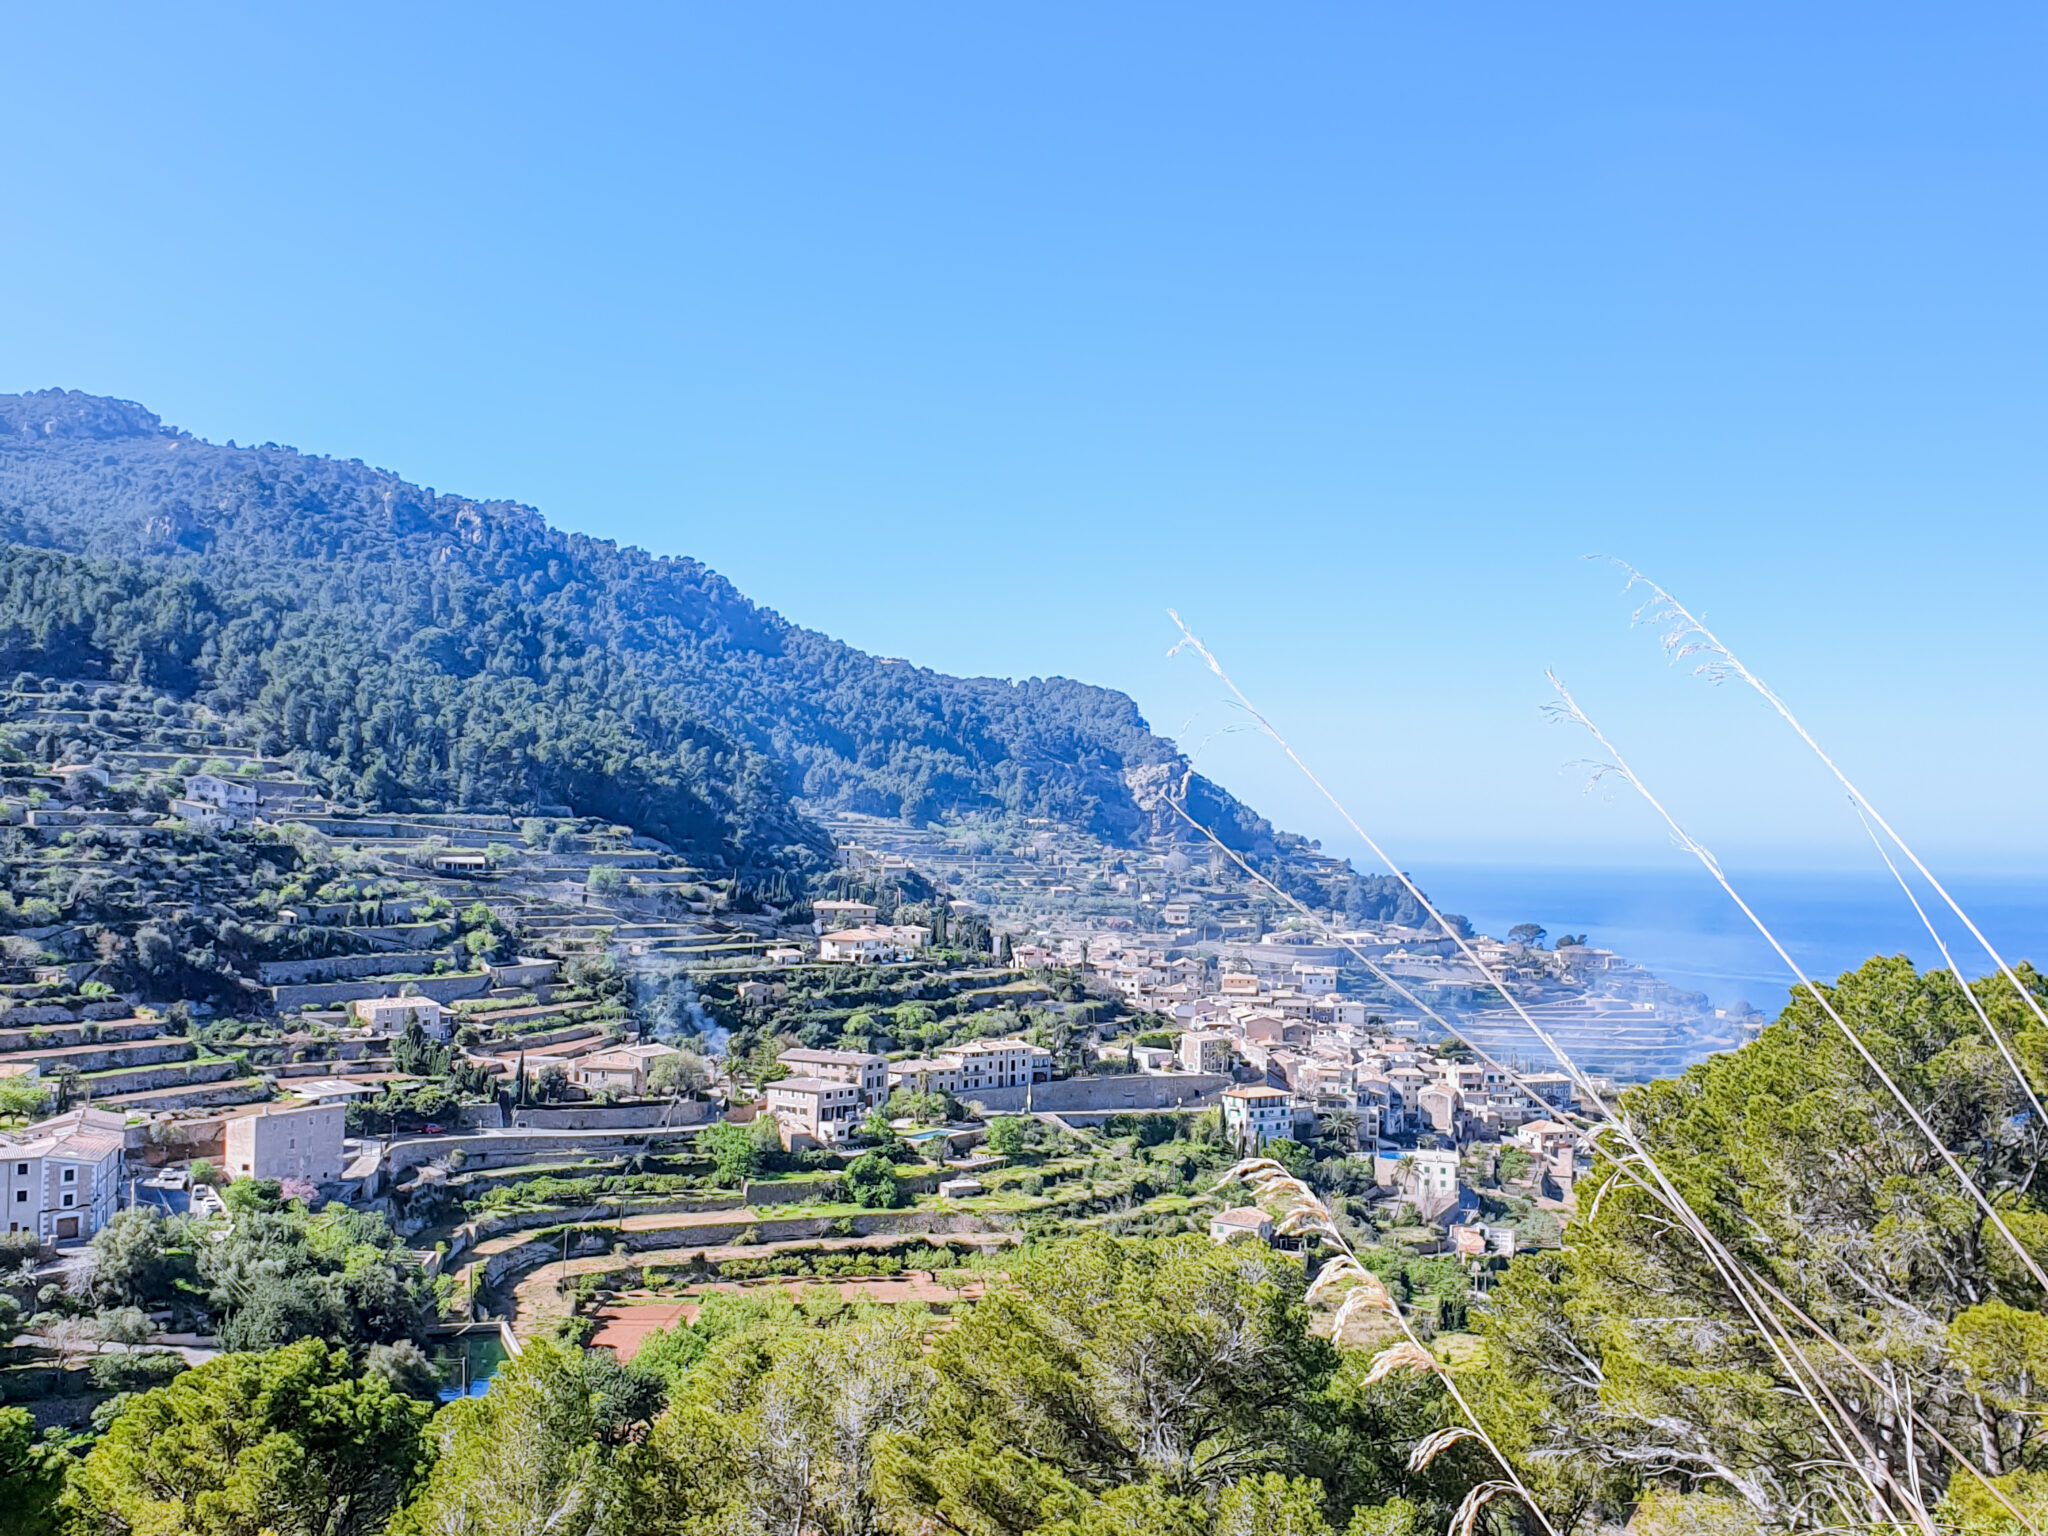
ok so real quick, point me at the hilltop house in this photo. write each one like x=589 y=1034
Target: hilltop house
x=232 y=797
x=522 y=973
x=864 y=946
x=841 y=914
x=973 y=1066
x=814 y=1109
x=1428 y=1180
x=1204 y=1050
x=1240 y=1221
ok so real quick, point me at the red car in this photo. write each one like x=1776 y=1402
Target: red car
x=430 y=1129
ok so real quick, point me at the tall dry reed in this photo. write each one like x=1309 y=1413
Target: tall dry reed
x=1638 y=1165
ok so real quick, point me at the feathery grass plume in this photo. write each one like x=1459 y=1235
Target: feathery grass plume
x=1430 y=1447
x=1341 y=1269
x=1835 y=1422
x=1363 y=1299
x=1267 y=1175
x=1404 y=1356
x=1569 y=709
x=1686 y=636
x=1468 y=1511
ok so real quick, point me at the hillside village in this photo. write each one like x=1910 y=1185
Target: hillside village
x=517 y=1038
x=526 y=960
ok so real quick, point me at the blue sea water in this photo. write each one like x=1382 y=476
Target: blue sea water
x=1681 y=925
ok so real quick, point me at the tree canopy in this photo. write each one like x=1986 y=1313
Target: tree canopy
x=1629 y=1357
x=290 y=1440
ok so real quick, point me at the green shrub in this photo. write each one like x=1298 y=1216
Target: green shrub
x=134 y=1373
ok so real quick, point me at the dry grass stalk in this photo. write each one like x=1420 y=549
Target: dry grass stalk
x=1430 y=1447
x=1569 y=709
x=1948 y=960
x=1686 y=636
x=1404 y=1356
x=1747 y=1289
x=1272 y=1180
x=1475 y=1500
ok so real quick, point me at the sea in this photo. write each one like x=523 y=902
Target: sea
x=1682 y=926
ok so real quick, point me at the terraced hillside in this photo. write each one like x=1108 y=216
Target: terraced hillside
x=410 y=652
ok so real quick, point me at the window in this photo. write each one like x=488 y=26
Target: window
x=21 y=1195
x=70 y=1175
x=69 y=1197
x=21 y=1170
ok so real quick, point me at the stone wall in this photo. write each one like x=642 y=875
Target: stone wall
x=321 y=994
x=148 y=1054
x=503 y=1149
x=273 y=973
x=1136 y=1091
x=610 y=1117
x=176 y=1074
x=597 y=1240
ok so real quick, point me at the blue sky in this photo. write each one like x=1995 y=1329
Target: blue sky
x=981 y=335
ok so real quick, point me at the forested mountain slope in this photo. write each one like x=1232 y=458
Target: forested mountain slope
x=423 y=651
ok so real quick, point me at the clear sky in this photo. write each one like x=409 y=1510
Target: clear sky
x=982 y=334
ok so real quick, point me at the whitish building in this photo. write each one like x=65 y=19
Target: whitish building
x=841 y=914
x=1429 y=1181
x=390 y=1015
x=281 y=1143
x=622 y=1069
x=865 y=1070
x=826 y=1112
x=1204 y=1050
x=1255 y=1115
x=62 y=1176
x=862 y=945
x=974 y=1066
x=1001 y=1064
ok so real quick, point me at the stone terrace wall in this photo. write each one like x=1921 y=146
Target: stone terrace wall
x=1175 y=1090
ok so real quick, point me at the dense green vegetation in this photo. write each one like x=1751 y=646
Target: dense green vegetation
x=1157 y=1383
x=421 y=651
x=1108 y=1385
x=1627 y=1356
x=269 y=1274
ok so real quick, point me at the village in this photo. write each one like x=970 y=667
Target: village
x=539 y=1045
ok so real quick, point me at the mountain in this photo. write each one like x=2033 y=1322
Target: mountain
x=419 y=651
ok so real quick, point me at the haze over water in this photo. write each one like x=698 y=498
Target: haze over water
x=1679 y=924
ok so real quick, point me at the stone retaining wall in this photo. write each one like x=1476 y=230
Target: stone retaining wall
x=116 y=1055
x=593 y=1241
x=442 y=989
x=611 y=1117
x=1136 y=1092
x=486 y=1151
x=271 y=973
